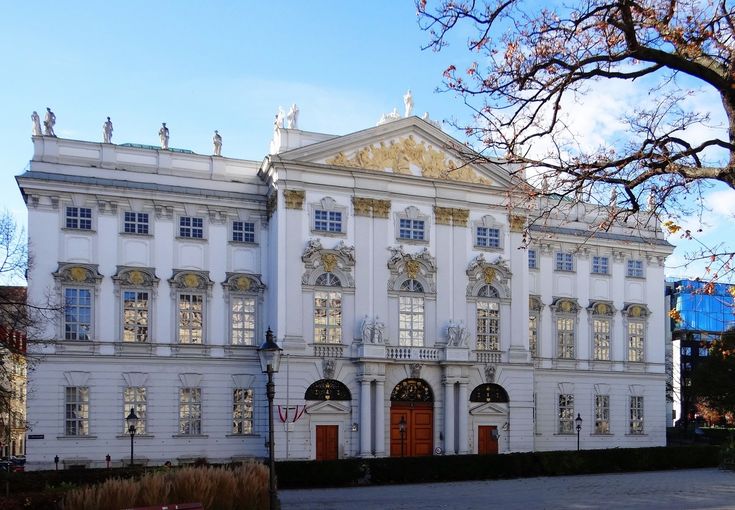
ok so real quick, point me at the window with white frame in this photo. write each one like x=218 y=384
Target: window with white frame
x=564 y=261
x=242 y=320
x=190 y=411
x=135 y=316
x=411 y=229
x=600 y=265
x=411 y=314
x=565 y=337
x=243 y=232
x=532 y=259
x=534 y=311
x=487 y=237
x=77 y=313
x=242 y=411
x=79 y=218
x=635 y=269
x=636 y=332
x=134 y=397
x=328 y=309
x=190 y=318
x=76 y=404
x=601 y=338
x=636 y=415
x=566 y=413
x=602 y=414
x=488 y=319
x=191 y=227
x=327 y=221
x=135 y=223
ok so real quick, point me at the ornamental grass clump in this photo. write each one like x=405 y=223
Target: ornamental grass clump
x=244 y=487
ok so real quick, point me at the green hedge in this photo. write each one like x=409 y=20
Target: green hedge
x=348 y=472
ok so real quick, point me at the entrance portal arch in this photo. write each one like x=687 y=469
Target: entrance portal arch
x=411 y=418
x=490 y=415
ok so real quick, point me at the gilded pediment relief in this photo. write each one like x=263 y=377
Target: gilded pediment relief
x=409 y=157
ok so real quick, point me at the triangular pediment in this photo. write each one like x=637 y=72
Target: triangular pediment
x=490 y=408
x=409 y=146
x=327 y=407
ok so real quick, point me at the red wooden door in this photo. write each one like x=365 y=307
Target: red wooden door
x=327 y=442
x=487 y=439
x=418 y=437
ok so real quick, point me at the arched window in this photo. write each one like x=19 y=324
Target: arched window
x=489 y=393
x=411 y=314
x=327 y=389
x=488 y=319
x=328 y=310
x=601 y=315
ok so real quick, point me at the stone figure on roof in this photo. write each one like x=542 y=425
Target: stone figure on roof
x=217 y=142
x=408 y=103
x=107 y=131
x=280 y=116
x=49 y=122
x=292 y=119
x=36 y=124
x=163 y=135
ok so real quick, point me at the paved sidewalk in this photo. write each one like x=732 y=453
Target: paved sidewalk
x=691 y=488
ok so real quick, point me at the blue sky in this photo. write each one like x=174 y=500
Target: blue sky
x=200 y=66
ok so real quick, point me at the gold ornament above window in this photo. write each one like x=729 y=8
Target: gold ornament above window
x=136 y=277
x=329 y=261
x=412 y=268
x=242 y=283
x=190 y=280
x=566 y=306
x=489 y=274
x=78 y=274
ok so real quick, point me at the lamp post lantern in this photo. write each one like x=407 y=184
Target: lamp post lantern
x=132 y=420
x=578 y=420
x=270 y=360
x=402 y=431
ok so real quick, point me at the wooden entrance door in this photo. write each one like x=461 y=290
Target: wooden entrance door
x=487 y=439
x=327 y=442
x=418 y=438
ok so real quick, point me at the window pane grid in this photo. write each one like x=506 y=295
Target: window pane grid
x=602 y=414
x=411 y=229
x=135 y=316
x=134 y=397
x=328 y=221
x=191 y=227
x=533 y=334
x=532 y=261
x=488 y=237
x=77 y=411
x=327 y=317
x=242 y=320
x=565 y=337
x=243 y=232
x=636 y=415
x=79 y=218
x=488 y=326
x=564 y=261
x=566 y=414
x=190 y=411
x=635 y=268
x=635 y=341
x=242 y=411
x=135 y=223
x=190 y=318
x=411 y=321
x=77 y=314
x=601 y=332
x=600 y=265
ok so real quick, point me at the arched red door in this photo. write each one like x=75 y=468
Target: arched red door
x=412 y=419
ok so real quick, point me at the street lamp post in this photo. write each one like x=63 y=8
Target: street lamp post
x=578 y=421
x=402 y=431
x=132 y=420
x=270 y=360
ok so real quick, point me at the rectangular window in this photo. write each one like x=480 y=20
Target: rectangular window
x=602 y=414
x=686 y=351
x=488 y=237
x=190 y=411
x=77 y=411
x=564 y=261
x=77 y=314
x=635 y=341
x=488 y=326
x=134 y=397
x=565 y=337
x=532 y=260
x=600 y=265
x=191 y=227
x=566 y=414
x=79 y=218
x=135 y=223
x=635 y=268
x=703 y=351
x=533 y=334
x=327 y=317
x=411 y=229
x=243 y=232
x=190 y=318
x=411 y=321
x=135 y=316
x=636 y=415
x=328 y=221
x=242 y=411
x=601 y=339
x=242 y=320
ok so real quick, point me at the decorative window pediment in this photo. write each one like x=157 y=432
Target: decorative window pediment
x=481 y=273
x=535 y=304
x=186 y=279
x=339 y=261
x=601 y=308
x=412 y=390
x=489 y=392
x=420 y=267
x=76 y=274
x=127 y=276
x=328 y=389
x=243 y=283
x=636 y=311
x=565 y=305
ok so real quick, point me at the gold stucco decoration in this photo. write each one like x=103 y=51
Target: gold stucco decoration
x=488 y=274
x=363 y=206
x=329 y=261
x=242 y=283
x=398 y=156
x=381 y=208
x=294 y=199
x=77 y=274
x=412 y=268
x=565 y=306
x=636 y=311
x=602 y=309
x=517 y=223
x=443 y=215
x=136 y=277
x=190 y=280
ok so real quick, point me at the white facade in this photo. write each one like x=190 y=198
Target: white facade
x=424 y=251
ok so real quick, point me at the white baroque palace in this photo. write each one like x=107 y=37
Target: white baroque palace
x=413 y=319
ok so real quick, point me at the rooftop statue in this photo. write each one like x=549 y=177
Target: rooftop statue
x=107 y=131
x=36 y=124
x=280 y=116
x=49 y=122
x=217 y=142
x=163 y=135
x=408 y=103
x=292 y=119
